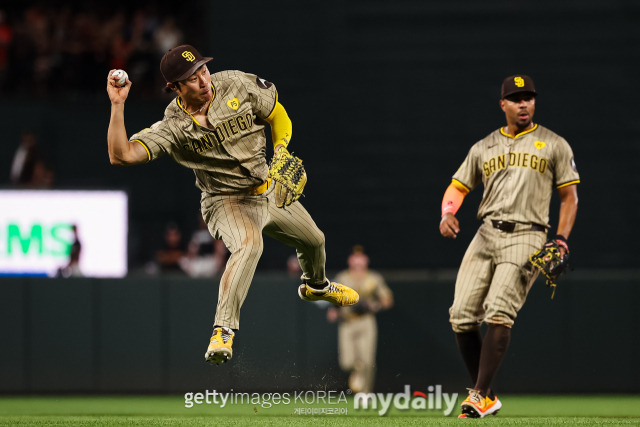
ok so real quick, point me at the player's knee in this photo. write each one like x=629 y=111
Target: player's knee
x=500 y=320
x=319 y=239
x=461 y=320
x=499 y=317
x=460 y=328
x=316 y=240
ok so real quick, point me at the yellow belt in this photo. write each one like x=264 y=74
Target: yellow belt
x=251 y=191
x=256 y=191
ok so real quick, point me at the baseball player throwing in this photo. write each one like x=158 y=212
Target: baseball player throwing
x=519 y=165
x=215 y=126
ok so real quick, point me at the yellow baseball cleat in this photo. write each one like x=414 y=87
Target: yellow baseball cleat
x=335 y=293
x=478 y=406
x=219 y=350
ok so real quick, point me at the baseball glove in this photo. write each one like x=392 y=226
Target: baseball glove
x=549 y=261
x=289 y=176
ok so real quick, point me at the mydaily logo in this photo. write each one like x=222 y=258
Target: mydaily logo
x=434 y=399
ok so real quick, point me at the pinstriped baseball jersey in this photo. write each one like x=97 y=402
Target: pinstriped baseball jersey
x=371 y=288
x=518 y=173
x=229 y=153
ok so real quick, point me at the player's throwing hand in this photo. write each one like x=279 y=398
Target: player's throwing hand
x=117 y=94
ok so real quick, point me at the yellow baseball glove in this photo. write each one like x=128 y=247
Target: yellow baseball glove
x=289 y=176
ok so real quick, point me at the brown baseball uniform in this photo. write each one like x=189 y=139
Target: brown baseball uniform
x=228 y=157
x=215 y=126
x=519 y=165
x=358 y=330
x=519 y=174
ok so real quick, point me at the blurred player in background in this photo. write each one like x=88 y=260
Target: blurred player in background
x=293 y=266
x=216 y=126
x=357 y=329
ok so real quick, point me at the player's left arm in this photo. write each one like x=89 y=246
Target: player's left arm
x=566 y=180
x=281 y=127
x=385 y=297
x=263 y=96
x=568 y=210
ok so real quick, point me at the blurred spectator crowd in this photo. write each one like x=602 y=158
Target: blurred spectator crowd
x=56 y=48
x=201 y=256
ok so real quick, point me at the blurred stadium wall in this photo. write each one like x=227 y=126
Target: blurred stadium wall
x=150 y=335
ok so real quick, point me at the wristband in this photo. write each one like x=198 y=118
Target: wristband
x=452 y=200
x=562 y=241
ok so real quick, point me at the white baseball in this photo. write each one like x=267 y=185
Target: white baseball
x=121 y=75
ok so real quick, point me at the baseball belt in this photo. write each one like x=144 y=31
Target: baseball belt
x=260 y=189
x=509 y=227
x=251 y=191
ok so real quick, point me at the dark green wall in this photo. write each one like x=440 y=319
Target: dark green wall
x=150 y=335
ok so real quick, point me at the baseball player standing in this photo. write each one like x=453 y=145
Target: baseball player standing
x=519 y=165
x=358 y=330
x=215 y=126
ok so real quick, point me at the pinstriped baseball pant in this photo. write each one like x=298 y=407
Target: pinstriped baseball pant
x=357 y=342
x=494 y=277
x=239 y=221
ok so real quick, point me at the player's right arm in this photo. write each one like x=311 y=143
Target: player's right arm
x=121 y=151
x=451 y=202
x=466 y=178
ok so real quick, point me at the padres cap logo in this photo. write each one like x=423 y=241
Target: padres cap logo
x=180 y=62
x=517 y=83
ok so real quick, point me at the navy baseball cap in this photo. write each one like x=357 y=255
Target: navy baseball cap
x=180 y=62
x=516 y=84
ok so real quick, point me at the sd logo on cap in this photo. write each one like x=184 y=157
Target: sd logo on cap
x=517 y=84
x=180 y=62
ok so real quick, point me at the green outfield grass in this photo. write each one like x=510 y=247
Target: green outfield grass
x=170 y=411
